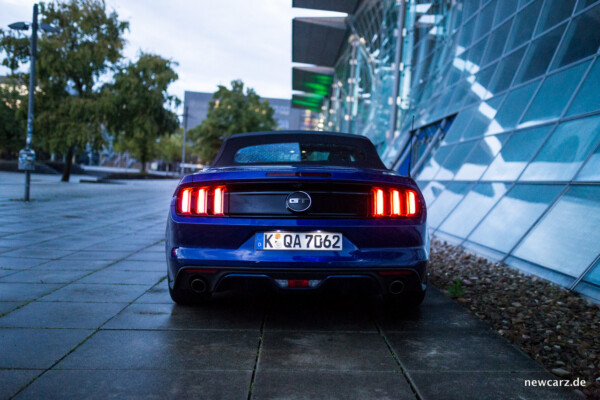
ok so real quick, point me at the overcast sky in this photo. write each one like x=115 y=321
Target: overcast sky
x=214 y=41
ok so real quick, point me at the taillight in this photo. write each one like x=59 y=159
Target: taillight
x=394 y=203
x=201 y=201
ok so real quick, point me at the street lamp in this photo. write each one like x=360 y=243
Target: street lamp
x=27 y=155
x=185 y=117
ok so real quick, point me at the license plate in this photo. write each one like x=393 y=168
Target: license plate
x=299 y=241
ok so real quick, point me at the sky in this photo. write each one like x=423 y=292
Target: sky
x=214 y=41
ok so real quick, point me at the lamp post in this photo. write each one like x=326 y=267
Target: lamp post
x=185 y=116
x=27 y=155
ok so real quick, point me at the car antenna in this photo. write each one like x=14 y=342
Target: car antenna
x=412 y=129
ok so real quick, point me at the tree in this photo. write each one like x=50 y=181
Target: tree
x=12 y=123
x=136 y=105
x=71 y=64
x=231 y=111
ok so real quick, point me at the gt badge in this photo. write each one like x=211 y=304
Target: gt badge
x=298 y=201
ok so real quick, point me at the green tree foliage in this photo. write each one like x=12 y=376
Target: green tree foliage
x=12 y=123
x=136 y=105
x=70 y=66
x=231 y=111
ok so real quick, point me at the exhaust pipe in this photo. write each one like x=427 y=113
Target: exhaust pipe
x=198 y=285
x=396 y=287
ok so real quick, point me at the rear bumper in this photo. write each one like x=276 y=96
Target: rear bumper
x=225 y=266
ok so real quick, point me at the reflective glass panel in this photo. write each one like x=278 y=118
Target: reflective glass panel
x=466 y=34
x=511 y=109
x=482 y=83
x=506 y=71
x=455 y=160
x=584 y=3
x=446 y=202
x=504 y=9
x=594 y=275
x=562 y=155
x=475 y=54
x=513 y=215
x=524 y=24
x=553 y=13
x=432 y=166
x=459 y=125
x=481 y=156
x=587 y=99
x=474 y=206
x=539 y=54
x=582 y=38
x=496 y=42
x=431 y=192
x=516 y=153
x=553 y=95
x=567 y=239
x=591 y=169
x=485 y=19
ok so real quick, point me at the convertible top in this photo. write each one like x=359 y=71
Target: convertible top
x=339 y=149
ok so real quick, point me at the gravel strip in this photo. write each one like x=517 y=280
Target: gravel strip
x=555 y=327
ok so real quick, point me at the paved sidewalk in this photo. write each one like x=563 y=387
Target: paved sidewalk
x=85 y=313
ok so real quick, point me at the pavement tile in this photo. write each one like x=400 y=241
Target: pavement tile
x=109 y=275
x=12 y=380
x=157 y=294
x=36 y=252
x=333 y=351
x=344 y=385
x=25 y=291
x=172 y=316
x=78 y=265
x=166 y=350
x=140 y=266
x=457 y=385
x=99 y=293
x=157 y=385
x=20 y=263
x=320 y=313
x=37 y=348
x=148 y=256
x=99 y=255
x=7 y=306
x=61 y=315
x=44 y=276
x=446 y=350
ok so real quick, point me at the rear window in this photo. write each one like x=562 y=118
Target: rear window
x=295 y=152
x=298 y=148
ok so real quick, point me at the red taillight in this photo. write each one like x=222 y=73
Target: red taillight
x=201 y=201
x=394 y=203
x=298 y=283
x=185 y=201
x=219 y=201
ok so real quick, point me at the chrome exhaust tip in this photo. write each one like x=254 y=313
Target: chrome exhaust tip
x=396 y=287
x=198 y=285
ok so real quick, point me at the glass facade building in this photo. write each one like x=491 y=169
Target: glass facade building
x=499 y=101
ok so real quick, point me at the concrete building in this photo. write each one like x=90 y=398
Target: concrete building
x=499 y=99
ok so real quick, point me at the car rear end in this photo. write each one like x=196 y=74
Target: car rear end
x=297 y=228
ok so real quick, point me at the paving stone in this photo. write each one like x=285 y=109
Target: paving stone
x=333 y=351
x=330 y=385
x=166 y=350
x=12 y=380
x=142 y=385
x=141 y=266
x=61 y=315
x=454 y=349
x=6 y=306
x=44 y=276
x=99 y=293
x=172 y=316
x=35 y=252
x=109 y=275
x=99 y=255
x=458 y=385
x=20 y=263
x=148 y=256
x=78 y=265
x=157 y=294
x=25 y=291
x=37 y=348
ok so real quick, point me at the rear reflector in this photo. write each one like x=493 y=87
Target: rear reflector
x=200 y=271
x=402 y=272
x=298 y=283
x=394 y=203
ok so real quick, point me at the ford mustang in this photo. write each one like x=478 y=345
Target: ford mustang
x=297 y=211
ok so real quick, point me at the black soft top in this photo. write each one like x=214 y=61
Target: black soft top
x=368 y=157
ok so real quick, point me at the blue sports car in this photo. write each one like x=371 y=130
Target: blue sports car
x=299 y=211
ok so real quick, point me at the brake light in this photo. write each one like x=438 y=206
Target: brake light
x=219 y=201
x=185 y=205
x=201 y=201
x=394 y=203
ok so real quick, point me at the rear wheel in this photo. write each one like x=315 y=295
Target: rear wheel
x=188 y=297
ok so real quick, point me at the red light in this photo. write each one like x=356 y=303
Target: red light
x=378 y=203
x=395 y=272
x=219 y=201
x=185 y=204
x=201 y=204
x=201 y=271
x=395 y=197
x=298 y=283
x=411 y=203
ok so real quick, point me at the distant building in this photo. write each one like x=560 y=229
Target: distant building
x=196 y=106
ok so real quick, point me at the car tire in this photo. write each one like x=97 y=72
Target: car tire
x=405 y=300
x=188 y=298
